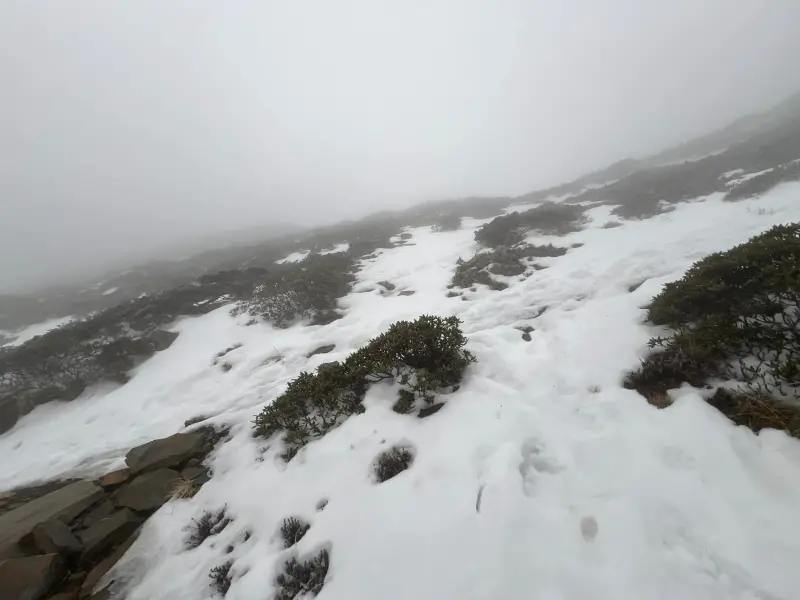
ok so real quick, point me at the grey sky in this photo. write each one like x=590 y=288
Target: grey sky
x=125 y=125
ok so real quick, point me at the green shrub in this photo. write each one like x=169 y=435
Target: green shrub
x=549 y=218
x=306 y=578
x=308 y=289
x=735 y=315
x=392 y=462
x=420 y=355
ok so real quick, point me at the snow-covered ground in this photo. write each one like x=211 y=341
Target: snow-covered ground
x=336 y=249
x=30 y=332
x=541 y=477
x=293 y=257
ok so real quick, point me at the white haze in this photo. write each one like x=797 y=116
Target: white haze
x=126 y=126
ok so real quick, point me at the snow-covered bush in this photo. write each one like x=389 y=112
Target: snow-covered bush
x=306 y=578
x=221 y=578
x=503 y=260
x=293 y=530
x=392 y=462
x=735 y=315
x=209 y=524
x=421 y=355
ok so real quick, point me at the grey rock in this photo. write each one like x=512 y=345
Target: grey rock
x=526 y=336
x=29 y=578
x=407 y=293
x=166 y=452
x=322 y=350
x=162 y=339
x=388 y=285
x=430 y=410
x=9 y=414
x=194 y=420
x=101 y=511
x=148 y=491
x=64 y=504
x=94 y=577
x=198 y=475
x=107 y=533
x=55 y=537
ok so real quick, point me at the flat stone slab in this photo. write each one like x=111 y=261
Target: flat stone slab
x=166 y=452
x=29 y=578
x=55 y=537
x=64 y=504
x=148 y=491
x=107 y=533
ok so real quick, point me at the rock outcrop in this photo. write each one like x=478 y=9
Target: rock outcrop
x=58 y=540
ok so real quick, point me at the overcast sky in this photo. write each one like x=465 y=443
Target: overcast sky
x=128 y=124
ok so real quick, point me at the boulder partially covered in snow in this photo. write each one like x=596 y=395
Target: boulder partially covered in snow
x=166 y=452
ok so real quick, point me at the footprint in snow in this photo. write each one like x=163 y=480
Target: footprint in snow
x=589 y=528
x=535 y=462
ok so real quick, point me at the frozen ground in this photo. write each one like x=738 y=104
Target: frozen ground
x=541 y=477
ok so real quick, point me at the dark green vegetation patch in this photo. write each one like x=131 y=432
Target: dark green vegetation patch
x=503 y=260
x=549 y=219
x=306 y=291
x=422 y=356
x=735 y=316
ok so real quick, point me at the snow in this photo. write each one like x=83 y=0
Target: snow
x=110 y=291
x=747 y=177
x=336 y=249
x=293 y=257
x=30 y=332
x=540 y=478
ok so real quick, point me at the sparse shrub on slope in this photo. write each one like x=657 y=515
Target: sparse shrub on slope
x=209 y=524
x=302 y=578
x=549 y=218
x=502 y=260
x=763 y=183
x=392 y=462
x=306 y=290
x=736 y=315
x=221 y=578
x=293 y=530
x=448 y=222
x=420 y=355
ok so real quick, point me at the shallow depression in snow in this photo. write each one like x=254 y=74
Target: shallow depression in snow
x=540 y=478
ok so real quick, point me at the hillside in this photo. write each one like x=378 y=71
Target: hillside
x=585 y=392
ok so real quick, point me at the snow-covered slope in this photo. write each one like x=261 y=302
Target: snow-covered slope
x=541 y=477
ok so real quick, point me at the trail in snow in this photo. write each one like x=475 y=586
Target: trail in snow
x=540 y=478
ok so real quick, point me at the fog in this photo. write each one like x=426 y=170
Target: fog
x=125 y=126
